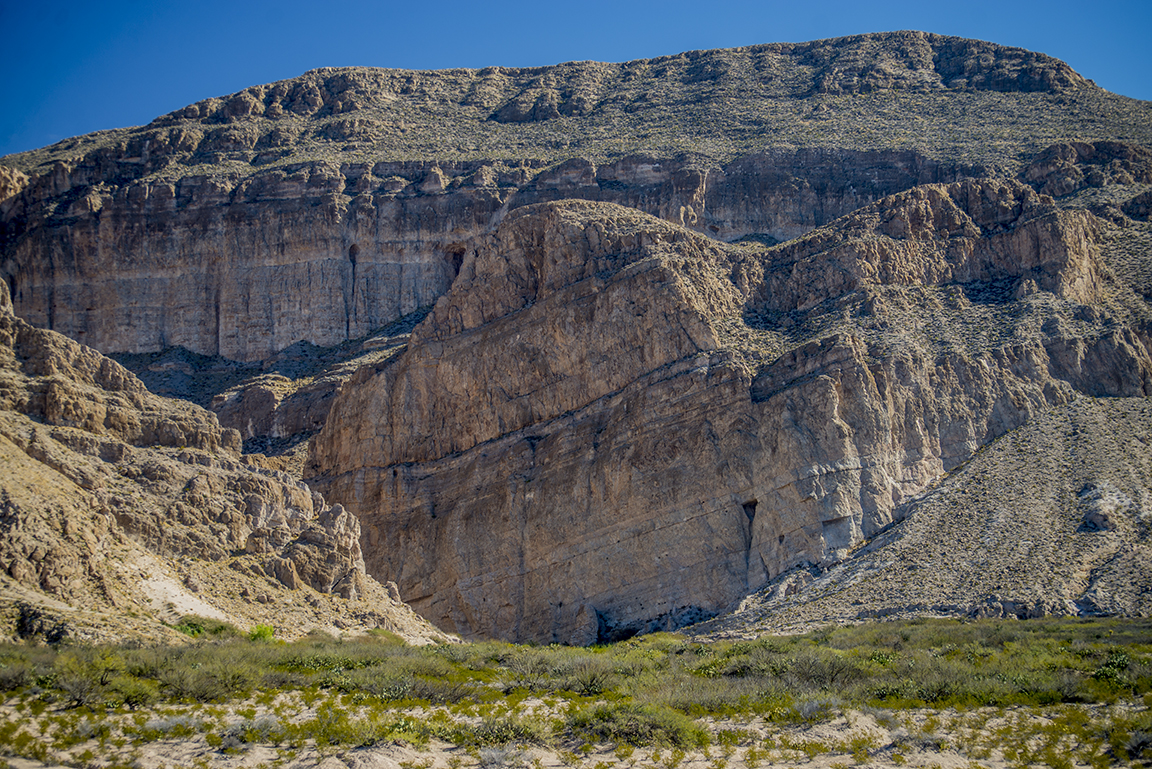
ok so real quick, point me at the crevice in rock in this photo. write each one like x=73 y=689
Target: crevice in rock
x=350 y=291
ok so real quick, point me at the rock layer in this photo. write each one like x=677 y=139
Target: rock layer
x=1051 y=519
x=245 y=267
x=600 y=388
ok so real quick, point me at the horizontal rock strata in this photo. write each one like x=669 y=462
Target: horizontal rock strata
x=324 y=207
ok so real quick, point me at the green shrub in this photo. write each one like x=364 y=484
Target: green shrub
x=638 y=725
x=503 y=731
x=84 y=675
x=262 y=633
x=197 y=626
x=213 y=682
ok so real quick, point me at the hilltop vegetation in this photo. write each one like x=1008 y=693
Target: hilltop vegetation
x=950 y=99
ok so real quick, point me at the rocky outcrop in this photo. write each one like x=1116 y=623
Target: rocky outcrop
x=620 y=363
x=245 y=267
x=1067 y=167
x=112 y=496
x=602 y=388
x=1050 y=519
x=52 y=379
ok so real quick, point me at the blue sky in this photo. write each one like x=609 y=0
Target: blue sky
x=74 y=67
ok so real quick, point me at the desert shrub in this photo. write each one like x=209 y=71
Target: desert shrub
x=272 y=680
x=638 y=725
x=170 y=727
x=503 y=731
x=134 y=693
x=15 y=674
x=557 y=668
x=212 y=682
x=758 y=659
x=504 y=758
x=811 y=710
x=400 y=686
x=84 y=675
x=335 y=726
x=1138 y=744
x=263 y=729
x=822 y=670
x=695 y=695
x=197 y=627
x=262 y=633
x=1115 y=668
x=592 y=676
x=81 y=731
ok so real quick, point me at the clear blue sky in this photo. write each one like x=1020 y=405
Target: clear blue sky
x=74 y=67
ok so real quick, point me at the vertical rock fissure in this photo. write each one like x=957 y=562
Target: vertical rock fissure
x=219 y=327
x=350 y=291
x=749 y=508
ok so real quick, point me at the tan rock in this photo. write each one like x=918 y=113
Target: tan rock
x=118 y=525
x=585 y=428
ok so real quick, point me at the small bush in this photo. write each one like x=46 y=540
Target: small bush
x=818 y=709
x=197 y=626
x=503 y=731
x=262 y=633
x=504 y=758
x=15 y=675
x=638 y=725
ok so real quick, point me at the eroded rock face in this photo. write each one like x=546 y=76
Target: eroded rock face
x=245 y=267
x=326 y=206
x=1051 y=519
x=107 y=488
x=611 y=424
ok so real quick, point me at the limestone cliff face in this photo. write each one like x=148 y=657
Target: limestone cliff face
x=611 y=424
x=245 y=267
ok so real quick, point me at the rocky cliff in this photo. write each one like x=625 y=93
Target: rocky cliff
x=117 y=503
x=324 y=207
x=678 y=327
x=1051 y=519
x=601 y=388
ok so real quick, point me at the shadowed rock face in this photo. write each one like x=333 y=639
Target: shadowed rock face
x=611 y=424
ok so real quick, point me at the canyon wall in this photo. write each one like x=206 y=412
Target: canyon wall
x=245 y=267
x=323 y=207
x=611 y=424
x=118 y=507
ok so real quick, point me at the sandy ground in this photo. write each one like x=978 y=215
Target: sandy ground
x=1001 y=737
x=170 y=600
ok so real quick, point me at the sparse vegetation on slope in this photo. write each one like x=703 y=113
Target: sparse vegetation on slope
x=960 y=100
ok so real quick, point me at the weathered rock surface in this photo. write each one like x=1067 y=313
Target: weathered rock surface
x=626 y=408
x=245 y=267
x=1051 y=519
x=113 y=499
x=600 y=388
x=324 y=207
